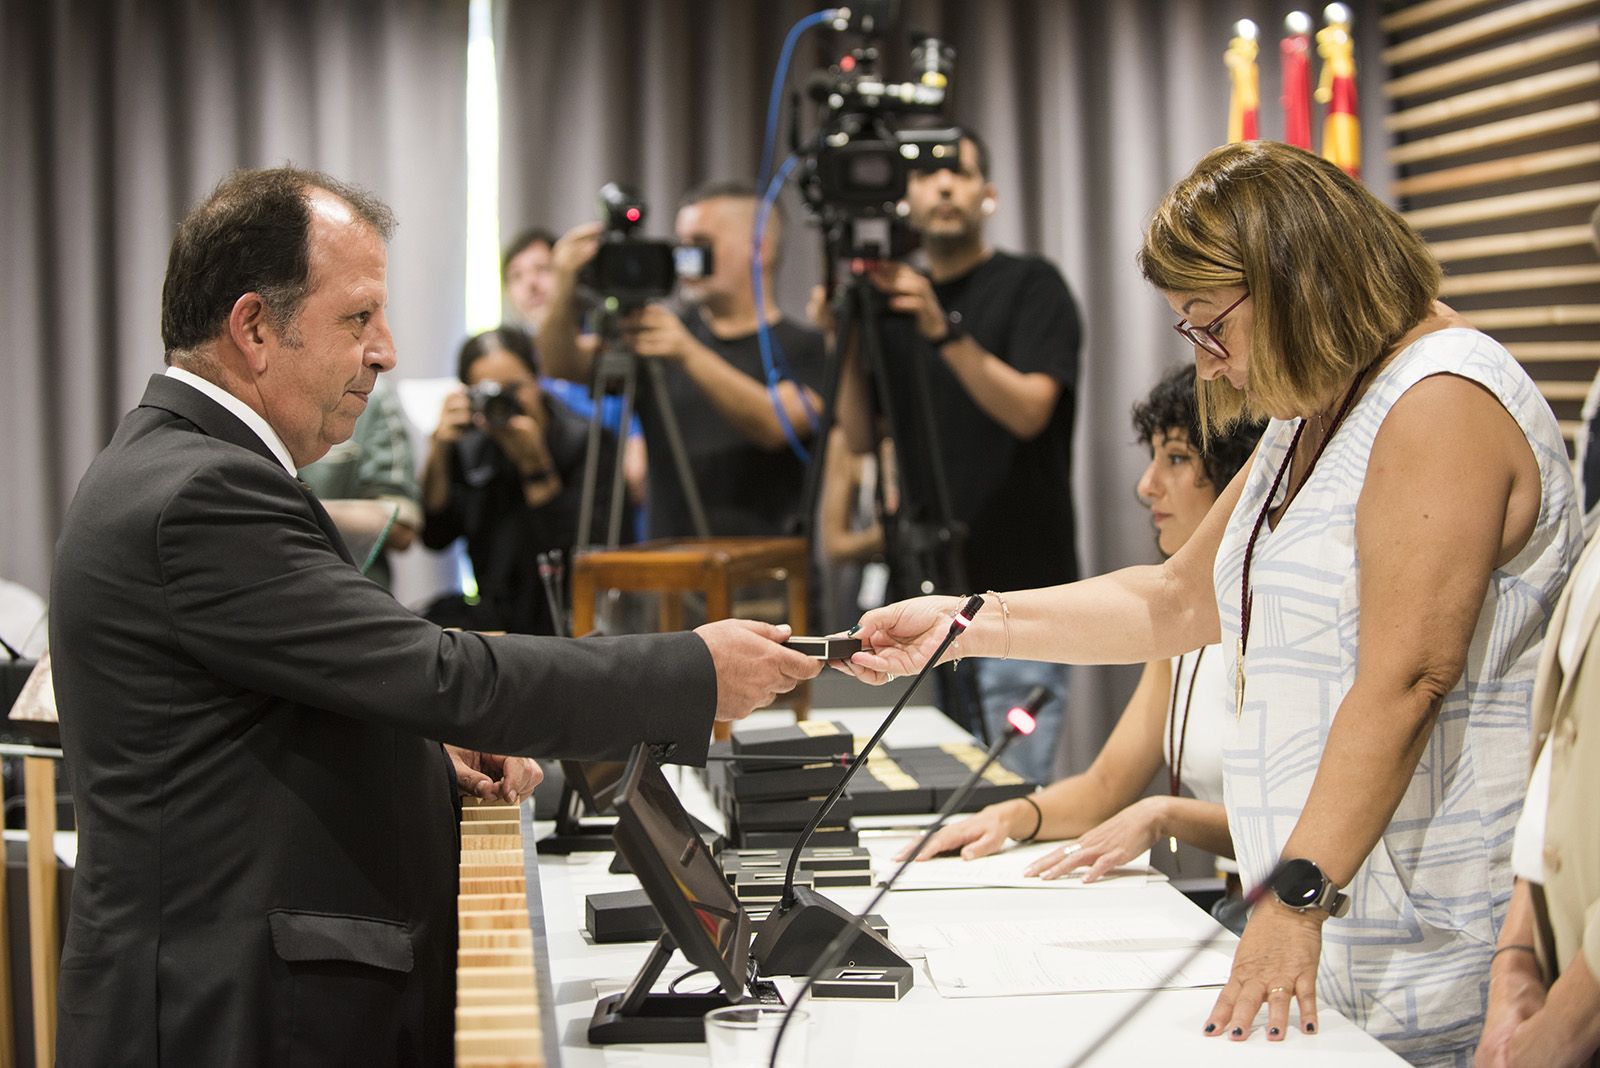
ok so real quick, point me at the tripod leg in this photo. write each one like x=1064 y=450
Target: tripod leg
x=811 y=492
x=591 y=457
x=680 y=456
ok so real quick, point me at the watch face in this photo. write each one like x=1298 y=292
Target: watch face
x=1298 y=884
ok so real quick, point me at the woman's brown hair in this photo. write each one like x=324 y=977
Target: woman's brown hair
x=1335 y=276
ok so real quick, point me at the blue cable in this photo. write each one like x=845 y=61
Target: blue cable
x=780 y=76
x=773 y=362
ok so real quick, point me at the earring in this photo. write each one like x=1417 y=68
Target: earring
x=988 y=205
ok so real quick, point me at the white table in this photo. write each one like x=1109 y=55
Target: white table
x=925 y=1029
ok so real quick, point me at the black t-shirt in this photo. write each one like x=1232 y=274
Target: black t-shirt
x=504 y=535
x=746 y=490
x=1015 y=496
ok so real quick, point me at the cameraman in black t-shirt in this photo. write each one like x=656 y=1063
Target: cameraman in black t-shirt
x=749 y=479
x=998 y=337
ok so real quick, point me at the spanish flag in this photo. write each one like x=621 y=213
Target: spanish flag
x=1341 y=129
x=1244 y=106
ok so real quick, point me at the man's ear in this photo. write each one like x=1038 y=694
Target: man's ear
x=251 y=332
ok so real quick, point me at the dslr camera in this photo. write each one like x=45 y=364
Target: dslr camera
x=495 y=403
x=629 y=270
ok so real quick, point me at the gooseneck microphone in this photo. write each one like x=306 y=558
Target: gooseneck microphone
x=1020 y=721
x=804 y=921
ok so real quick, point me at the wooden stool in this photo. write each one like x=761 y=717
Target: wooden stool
x=714 y=567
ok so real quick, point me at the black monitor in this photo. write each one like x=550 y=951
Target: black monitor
x=661 y=843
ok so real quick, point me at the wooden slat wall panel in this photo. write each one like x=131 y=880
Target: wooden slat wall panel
x=1496 y=112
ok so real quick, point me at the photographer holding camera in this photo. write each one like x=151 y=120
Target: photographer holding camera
x=998 y=335
x=749 y=480
x=504 y=470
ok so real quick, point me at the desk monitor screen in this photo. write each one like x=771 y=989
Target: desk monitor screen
x=596 y=781
x=697 y=906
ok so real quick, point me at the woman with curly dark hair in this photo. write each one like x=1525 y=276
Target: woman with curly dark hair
x=1176 y=714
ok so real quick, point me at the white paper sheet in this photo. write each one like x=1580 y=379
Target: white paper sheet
x=1112 y=931
x=1005 y=869
x=1013 y=970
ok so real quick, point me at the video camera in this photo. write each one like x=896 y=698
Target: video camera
x=856 y=168
x=630 y=270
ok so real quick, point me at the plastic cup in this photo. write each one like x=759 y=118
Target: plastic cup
x=741 y=1036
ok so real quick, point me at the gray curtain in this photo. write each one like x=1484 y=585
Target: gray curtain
x=117 y=115
x=1091 y=111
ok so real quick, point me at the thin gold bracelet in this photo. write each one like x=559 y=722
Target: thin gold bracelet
x=1005 y=616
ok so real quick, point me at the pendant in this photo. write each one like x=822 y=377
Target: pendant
x=1238 y=680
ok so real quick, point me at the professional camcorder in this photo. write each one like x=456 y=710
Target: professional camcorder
x=631 y=270
x=871 y=136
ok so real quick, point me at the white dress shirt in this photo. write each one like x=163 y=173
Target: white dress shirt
x=247 y=415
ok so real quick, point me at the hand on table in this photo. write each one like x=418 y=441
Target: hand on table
x=1275 y=964
x=1108 y=846
x=978 y=835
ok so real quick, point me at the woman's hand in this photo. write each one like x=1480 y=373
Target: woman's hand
x=1516 y=992
x=898 y=639
x=1276 y=963
x=1108 y=846
x=977 y=836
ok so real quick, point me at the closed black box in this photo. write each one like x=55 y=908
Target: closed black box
x=808 y=738
x=624 y=916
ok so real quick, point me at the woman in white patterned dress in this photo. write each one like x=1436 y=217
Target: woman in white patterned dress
x=1380 y=577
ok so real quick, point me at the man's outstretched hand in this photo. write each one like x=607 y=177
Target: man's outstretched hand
x=753 y=667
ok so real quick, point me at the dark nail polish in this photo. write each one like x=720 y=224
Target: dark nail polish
x=1272 y=1031
x=1311 y=1027
x=853 y=629
x=1237 y=1031
x=1210 y=1028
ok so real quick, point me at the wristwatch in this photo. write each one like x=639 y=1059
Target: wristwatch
x=1301 y=885
x=953 y=331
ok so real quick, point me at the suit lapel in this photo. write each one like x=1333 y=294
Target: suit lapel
x=186 y=402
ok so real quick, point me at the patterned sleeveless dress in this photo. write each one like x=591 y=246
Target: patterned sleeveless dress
x=1410 y=962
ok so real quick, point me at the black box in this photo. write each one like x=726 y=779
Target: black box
x=784 y=783
x=786 y=815
x=844 y=835
x=625 y=916
x=854 y=983
x=808 y=738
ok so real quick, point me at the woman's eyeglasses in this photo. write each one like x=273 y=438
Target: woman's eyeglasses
x=1205 y=336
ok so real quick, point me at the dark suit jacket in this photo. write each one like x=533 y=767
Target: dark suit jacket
x=267 y=839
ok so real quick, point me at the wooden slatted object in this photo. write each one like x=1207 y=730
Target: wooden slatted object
x=498 y=1020
x=1497 y=113
x=1494 y=61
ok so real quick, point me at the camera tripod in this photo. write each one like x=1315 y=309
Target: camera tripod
x=922 y=538
x=616 y=370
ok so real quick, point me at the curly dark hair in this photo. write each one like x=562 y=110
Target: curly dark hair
x=1172 y=405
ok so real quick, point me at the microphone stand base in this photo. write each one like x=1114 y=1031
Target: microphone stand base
x=790 y=940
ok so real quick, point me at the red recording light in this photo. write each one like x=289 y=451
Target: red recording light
x=1020 y=719
x=847 y=64
x=633 y=214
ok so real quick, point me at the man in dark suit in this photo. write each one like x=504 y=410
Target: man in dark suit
x=267 y=836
